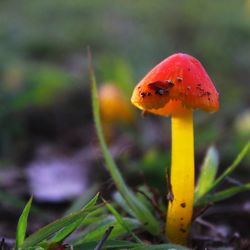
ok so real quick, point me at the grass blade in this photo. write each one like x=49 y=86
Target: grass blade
x=92 y=202
x=117 y=197
x=222 y=195
x=204 y=199
x=231 y=168
x=207 y=173
x=46 y=232
x=17 y=202
x=22 y=225
x=121 y=221
x=96 y=231
x=160 y=247
x=110 y=244
x=94 y=227
x=82 y=200
x=141 y=211
x=65 y=232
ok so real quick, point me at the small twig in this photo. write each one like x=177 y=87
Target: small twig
x=210 y=226
x=201 y=211
x=170 y=195
x=153 y=203
x=6 y=244
x=104 y=238
x=154 y=199
x=2 y=244
x=233 y=181
x=154 y=191
x=206 y=238
x=108 y=184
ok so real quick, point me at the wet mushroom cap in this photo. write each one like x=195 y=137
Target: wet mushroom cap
x=177 y=83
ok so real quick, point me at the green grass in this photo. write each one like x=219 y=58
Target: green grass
x=143 y=214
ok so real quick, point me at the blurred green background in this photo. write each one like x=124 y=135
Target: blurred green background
x=44 y=88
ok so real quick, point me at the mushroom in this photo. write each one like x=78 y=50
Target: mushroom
x=114 y=107
x=175 y=87
x=114 y=104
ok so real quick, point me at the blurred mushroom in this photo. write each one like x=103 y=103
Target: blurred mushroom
x=114 y=107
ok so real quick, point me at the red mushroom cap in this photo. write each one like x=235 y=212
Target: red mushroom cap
x=177 y=83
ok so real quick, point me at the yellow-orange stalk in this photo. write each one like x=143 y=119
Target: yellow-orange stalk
x=180 y=210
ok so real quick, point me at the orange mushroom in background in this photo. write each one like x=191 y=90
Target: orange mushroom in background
x=175 y=87
x=114 y=107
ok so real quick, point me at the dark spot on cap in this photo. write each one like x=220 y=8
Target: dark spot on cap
x=183 y=230
x=161 y=87
x=170 y=83
x=179 y=79
x=143 y=94
x=159 y=92
x=181 y=218
x=189 y=69
x=183 y=204
x=149 y=94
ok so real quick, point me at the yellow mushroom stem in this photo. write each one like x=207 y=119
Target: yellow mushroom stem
x=180 y=210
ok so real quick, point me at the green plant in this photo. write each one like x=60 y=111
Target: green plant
x=142 y=212
x=207 y=181
x=52 y=233
x=93 y=221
